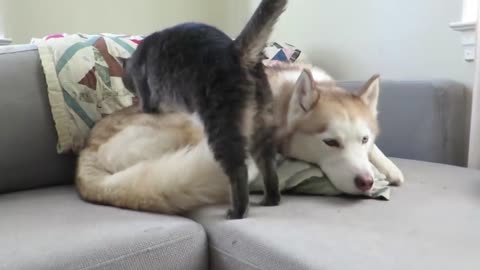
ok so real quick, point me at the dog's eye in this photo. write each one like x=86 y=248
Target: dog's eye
x=332 y=143
x=365 y=140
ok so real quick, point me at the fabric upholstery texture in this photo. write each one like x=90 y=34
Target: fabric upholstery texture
x=283 y=52
x=50 y=229
x=28 y=141
x=430 y=223
x=422 y=120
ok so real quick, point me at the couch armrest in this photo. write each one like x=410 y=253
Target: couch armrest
x=422 y=120
x=28 y=156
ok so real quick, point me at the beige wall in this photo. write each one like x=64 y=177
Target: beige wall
x=407 y=39
x=2 y=10
x=35 y=18
x=231 y=15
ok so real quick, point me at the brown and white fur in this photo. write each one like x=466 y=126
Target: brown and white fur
x=163 y=163
x=330 y=127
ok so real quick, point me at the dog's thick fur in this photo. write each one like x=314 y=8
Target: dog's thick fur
x=196 y=68
x=163 y=163
x=159 y=163
x=329 y=126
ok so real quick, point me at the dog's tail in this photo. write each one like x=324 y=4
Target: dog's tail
x=173 y=184
x=254 y=37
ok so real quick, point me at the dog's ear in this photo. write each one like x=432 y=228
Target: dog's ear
x=370 y=92
x=305 y=93
x=304 y=96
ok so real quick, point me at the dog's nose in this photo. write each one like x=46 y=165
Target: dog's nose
x=364 y=182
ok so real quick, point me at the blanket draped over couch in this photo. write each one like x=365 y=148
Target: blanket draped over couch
x=84 y=81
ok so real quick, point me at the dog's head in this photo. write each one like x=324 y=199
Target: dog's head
x=334 y=129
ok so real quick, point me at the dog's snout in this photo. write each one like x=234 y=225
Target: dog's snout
x=364 y=182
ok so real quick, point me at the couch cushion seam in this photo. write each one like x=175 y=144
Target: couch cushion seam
x=130 y=254
x=224 y=252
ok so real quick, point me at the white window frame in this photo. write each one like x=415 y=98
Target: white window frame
x=467 y=27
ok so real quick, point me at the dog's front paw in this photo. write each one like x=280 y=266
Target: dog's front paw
x=395 y=176
x=272 y=200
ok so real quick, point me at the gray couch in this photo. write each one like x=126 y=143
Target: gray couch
x=431 y=223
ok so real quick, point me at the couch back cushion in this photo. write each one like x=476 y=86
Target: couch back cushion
x=28 y=155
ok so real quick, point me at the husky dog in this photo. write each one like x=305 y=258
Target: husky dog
x=163 y=162
x=196 y=68
x=330 y=127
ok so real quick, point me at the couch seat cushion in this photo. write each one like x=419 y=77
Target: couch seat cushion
x=432 y=222
x=53 y=229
